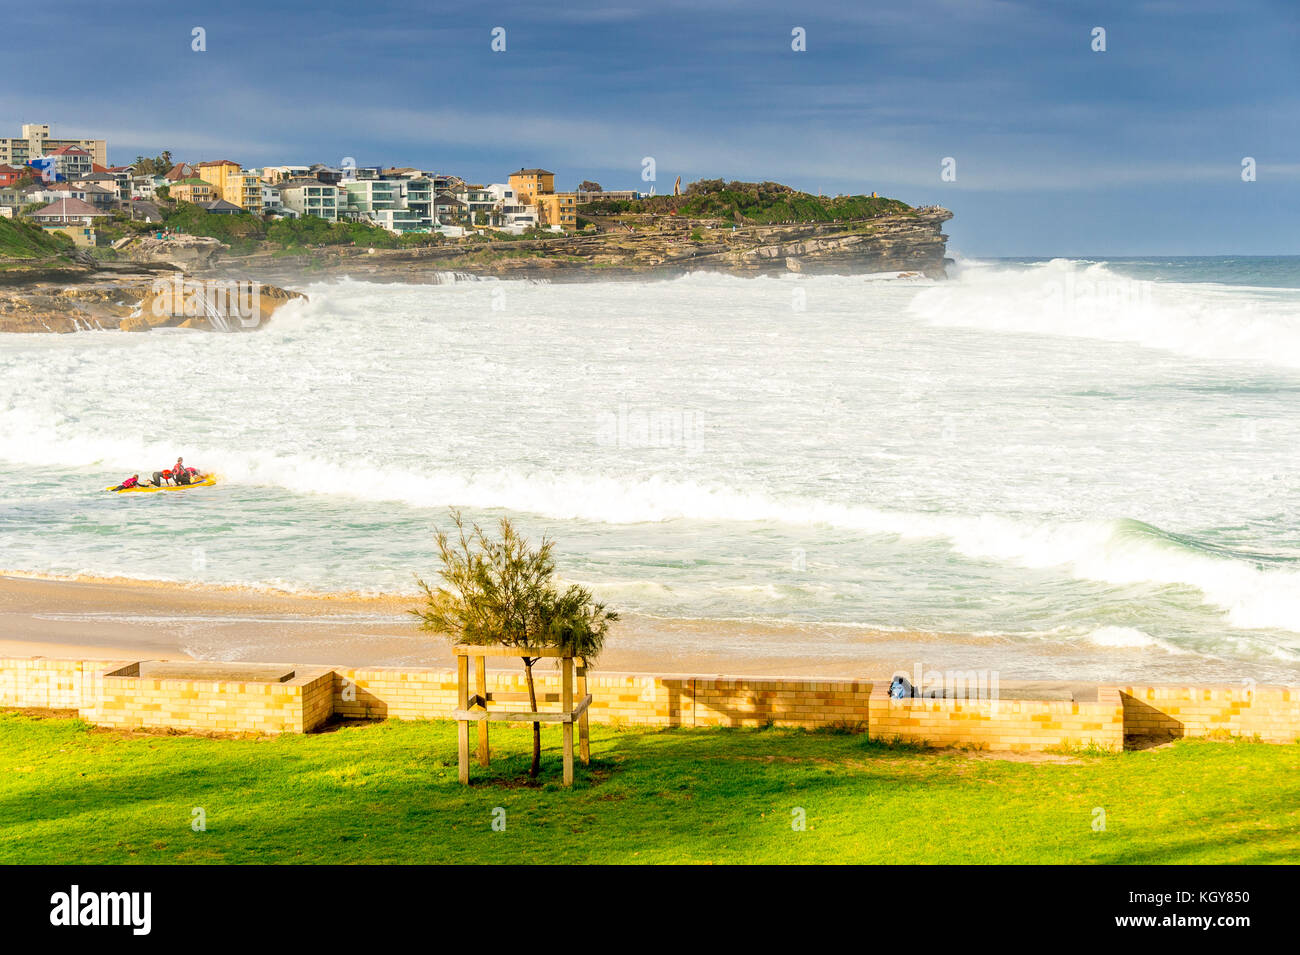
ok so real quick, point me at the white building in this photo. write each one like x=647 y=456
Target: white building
x=398 y=205
x=272 y=203
x=310 y=197
x=509 y=214
x=71 y=162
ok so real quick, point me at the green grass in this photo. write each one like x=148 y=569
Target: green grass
x=388 y=793
x=25 y=240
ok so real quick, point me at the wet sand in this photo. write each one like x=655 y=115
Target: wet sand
x=128 y=619
x=122 y=618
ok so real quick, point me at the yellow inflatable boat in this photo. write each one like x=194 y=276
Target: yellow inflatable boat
x=208 y=481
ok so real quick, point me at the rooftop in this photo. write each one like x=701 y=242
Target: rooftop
x=66 y=208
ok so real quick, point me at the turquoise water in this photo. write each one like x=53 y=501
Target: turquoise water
x=1091 y=455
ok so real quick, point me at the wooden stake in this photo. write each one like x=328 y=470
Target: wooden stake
x=584 y=727
x=462 y=726
x=567 y=703
x=480 y=682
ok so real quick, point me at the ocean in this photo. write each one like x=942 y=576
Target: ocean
x=1062 y=468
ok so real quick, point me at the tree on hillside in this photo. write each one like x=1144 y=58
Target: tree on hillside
x=502 y=592
x=144 y=166
x=588 y=186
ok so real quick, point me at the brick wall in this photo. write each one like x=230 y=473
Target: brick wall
x=1015 y=725
x=112 y=693
x=430 y=693
x=1270 y=712
x=56 y=684
x=130 y=701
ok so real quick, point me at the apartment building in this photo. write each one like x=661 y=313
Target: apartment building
x=558 y=209
x=310 y=197
x=277 y=174
x=67 y=162
x=272 y=204
x=528 y=184
x=232 y=184
x=36 y=141
x=193 y=190
x=399 y=205
x=508 y=212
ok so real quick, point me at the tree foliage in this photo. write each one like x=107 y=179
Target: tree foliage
x=500 y=591
x=753 y=202
x=156 y=166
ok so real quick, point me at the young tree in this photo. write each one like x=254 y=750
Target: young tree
x=501 y=592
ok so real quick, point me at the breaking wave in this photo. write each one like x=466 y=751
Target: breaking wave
x=1081 y=299
x=1252 y=590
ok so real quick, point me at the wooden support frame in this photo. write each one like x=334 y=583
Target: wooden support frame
x=474 y=708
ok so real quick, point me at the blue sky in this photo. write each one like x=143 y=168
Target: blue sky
x=1059 y=150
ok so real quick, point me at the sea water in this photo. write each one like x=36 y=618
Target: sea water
x=1097 y=455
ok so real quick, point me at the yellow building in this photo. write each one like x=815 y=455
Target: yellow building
x=558 y=208
x=232 y=184
x=528 y=184
x=193 y=190
x=83 y=236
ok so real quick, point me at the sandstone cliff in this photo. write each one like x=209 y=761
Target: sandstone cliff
x=134 y=302
x=633 y=246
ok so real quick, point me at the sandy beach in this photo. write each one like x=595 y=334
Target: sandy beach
x=119 y=617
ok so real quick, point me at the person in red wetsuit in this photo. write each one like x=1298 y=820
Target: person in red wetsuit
x=132 y=481
x=181 y=474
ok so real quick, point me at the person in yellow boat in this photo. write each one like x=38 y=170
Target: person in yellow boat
x=183 y=475
x=132 y=481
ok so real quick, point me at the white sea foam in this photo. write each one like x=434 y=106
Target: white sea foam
x=935 y=481
x=1091 y=300
x=1128 y=638
x=1114 y=552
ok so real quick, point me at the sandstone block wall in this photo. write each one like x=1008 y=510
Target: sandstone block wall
x=112 y=693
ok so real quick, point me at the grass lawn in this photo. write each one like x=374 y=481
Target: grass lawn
x=387 y=793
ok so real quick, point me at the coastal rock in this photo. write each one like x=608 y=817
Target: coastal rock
x=239 y=305
x=184 y=252
x=632 y=246
x=128 y=302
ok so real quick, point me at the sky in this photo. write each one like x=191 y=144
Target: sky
x=1059 y=149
